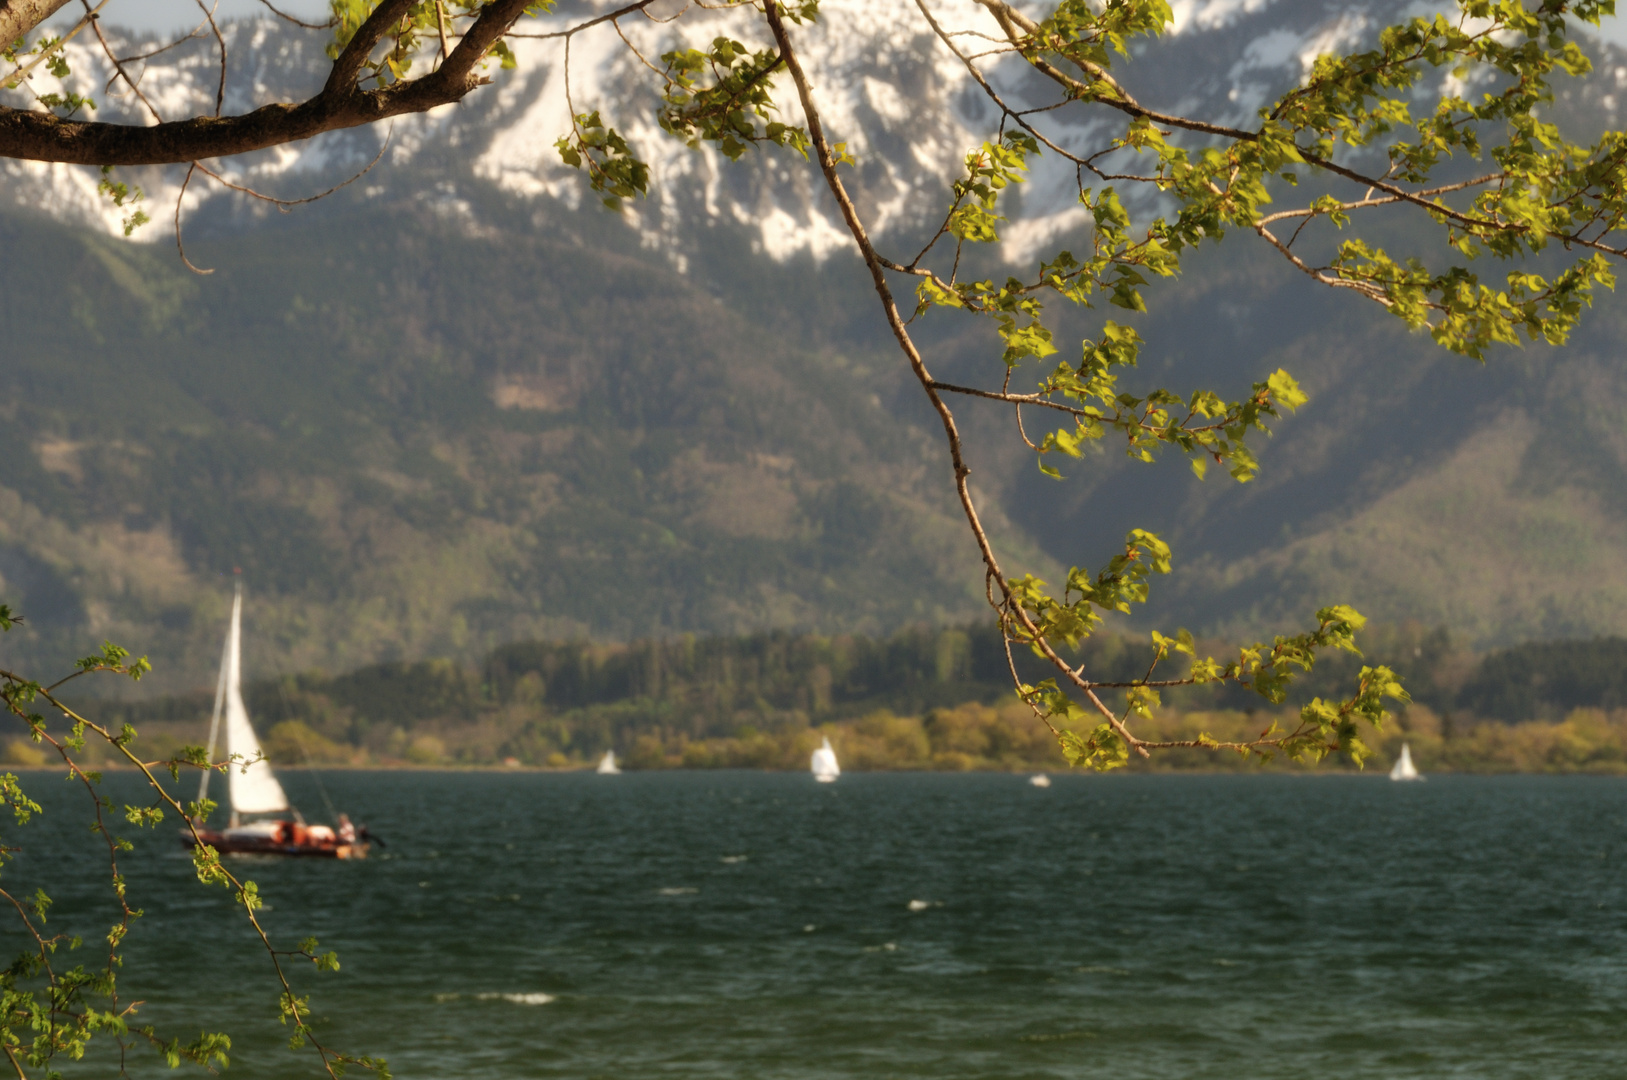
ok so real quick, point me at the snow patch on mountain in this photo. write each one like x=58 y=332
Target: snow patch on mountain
x=886 y=86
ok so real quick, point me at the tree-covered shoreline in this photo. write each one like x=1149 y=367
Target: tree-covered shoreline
x=921 y=699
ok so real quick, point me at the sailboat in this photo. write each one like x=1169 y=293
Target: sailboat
x=823 y=764
x=607 y=765
x=1404 y=769
x=252 y=788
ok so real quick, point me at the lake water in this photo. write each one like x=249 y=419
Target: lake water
x=680 y=925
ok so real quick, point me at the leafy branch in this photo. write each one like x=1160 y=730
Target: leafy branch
x=62 y=1015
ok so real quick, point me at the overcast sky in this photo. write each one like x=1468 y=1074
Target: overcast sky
x=185 y=14
x=169 y=15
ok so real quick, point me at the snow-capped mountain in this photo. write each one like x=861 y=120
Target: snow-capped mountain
x=888 y=88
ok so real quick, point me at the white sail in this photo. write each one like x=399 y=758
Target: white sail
x=1404 y=768
x=253 y=790
x=607 y=764
x=1040 y=780
x=823 y=765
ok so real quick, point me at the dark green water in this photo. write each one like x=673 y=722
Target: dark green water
x=750 y=925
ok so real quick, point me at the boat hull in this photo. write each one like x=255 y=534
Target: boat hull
x=243 y=845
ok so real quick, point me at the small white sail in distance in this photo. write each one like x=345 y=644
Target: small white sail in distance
x=607 y=764
x=253 y=790
x=1404 y=769
x=823 y=764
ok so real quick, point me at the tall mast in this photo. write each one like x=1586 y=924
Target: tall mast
x=220 y=700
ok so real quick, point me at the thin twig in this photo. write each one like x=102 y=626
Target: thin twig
x=283 y=15
x=850 y=215
x=16 y=77
x=284 y=204
x=220 y=40
x=179 y=246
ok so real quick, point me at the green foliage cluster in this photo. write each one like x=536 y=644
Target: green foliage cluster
x=727 y=108
x=1544 y=189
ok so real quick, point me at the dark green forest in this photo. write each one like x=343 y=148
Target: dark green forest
x=757 y=700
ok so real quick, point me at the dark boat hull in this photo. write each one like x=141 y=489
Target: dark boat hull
x=236 y=845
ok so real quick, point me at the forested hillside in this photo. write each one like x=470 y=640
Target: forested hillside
x=429 y=444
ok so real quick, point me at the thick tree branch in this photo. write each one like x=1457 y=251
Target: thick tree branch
x=349 y=65
x=36 y=136
x=18 y=17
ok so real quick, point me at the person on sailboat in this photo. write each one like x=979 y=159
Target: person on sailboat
x=347 y=831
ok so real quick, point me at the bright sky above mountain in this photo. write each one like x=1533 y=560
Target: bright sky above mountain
x=185 y=14
x=169 y=15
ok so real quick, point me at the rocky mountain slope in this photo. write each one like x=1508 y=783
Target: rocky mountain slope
x=458 y=404
x=424 y=443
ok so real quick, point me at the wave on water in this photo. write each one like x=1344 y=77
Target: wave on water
x=518 y=999
x=679 y=891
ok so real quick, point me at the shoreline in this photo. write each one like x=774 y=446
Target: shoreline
x=1064 y=771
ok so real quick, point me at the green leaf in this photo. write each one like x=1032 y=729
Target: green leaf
x=1285 y=391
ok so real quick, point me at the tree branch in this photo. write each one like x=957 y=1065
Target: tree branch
x=1013 y=21
x=36 y=136
x=18 y=17
x=349 y=64
x=850 y=216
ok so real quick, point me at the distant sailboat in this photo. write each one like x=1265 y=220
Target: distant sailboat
x=1040 y=780
x=823 y=765
x=1404 y=768
x=607 y=764
x=254 y=789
